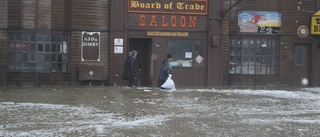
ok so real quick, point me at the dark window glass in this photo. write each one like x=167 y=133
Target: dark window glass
x=18 y=37
x=47 y=47
x=40 y=48
x=33 y=47
x=18 y=57
x=53 y=37
x=300 y=55
x=12 y=37
x=254 y=56
x=54 y=48
x=11 y=47
x=25 y=36
x=25 y=57
x=40 y=37
x=47 y=58
x=37 y=52
x=33 y=37
x=25 y=47
x=47 y=37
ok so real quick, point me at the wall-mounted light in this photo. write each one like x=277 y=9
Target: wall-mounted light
x=158 y=44
x=286 y=45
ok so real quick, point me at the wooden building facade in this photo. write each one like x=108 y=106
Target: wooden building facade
x=213 y=42
x=269 y=43
x=157 y=28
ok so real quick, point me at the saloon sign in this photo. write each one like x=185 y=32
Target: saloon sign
x=162 y=13
x=196 y=7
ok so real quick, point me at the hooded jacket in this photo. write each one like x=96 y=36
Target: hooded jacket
x=165 y=70
x=129 y=67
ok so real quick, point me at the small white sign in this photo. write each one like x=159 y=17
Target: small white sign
x=199 y=59
x=118 y=49
x=188 y=55
x=118 y=42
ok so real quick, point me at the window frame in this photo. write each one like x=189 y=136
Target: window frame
x=202 y=64
x=254 y=55
x=28 y=52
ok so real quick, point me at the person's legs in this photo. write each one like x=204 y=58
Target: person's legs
x=162 y=82
x=130 y=81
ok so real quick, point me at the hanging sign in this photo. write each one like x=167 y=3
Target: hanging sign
x=90 y=47
x=196 y=7
x=315 y=23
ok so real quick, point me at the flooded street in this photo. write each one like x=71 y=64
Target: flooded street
x=150 y=112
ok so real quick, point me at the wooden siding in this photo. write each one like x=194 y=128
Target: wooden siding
x=3 y=40
x=189 y=77
x=14 y=16
x=3 y=14
x=29 y=14
x=90 y=15
x=117 y=16
x=57 y=14
x=63 y=16
x=3 y=56
x=44 y=14
x=214 y=46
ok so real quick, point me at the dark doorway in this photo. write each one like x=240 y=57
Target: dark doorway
x=143 y=60
x=302 y=65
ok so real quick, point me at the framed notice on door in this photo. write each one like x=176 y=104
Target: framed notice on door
x=90 y=46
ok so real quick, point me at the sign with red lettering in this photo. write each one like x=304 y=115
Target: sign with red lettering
x=196 y=7
x=263 y=22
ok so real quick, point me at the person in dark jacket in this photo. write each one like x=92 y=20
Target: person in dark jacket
x=165 y=70
x=129 y=67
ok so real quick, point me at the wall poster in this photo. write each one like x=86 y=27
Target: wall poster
x=263 y=22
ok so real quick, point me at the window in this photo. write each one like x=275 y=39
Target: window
x=300 y=56
x=186 y=53
x=256 y=56
x=38 y=52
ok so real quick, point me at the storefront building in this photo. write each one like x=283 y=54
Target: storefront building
x=269 y=43
x=157 y=28
x=213 y=43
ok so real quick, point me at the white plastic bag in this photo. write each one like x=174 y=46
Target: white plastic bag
x=169 y=84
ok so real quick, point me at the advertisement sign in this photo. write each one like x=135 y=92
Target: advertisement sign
x=90 y=47
x=196 y=7
x=263 y=22
x=315 y=23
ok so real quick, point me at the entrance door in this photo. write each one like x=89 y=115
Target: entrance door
x=302 y=65
x=143 y=60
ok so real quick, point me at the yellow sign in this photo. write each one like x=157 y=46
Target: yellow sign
x=315 y=23
x=167 y=34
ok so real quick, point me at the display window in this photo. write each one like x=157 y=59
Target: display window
x=186 y=52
